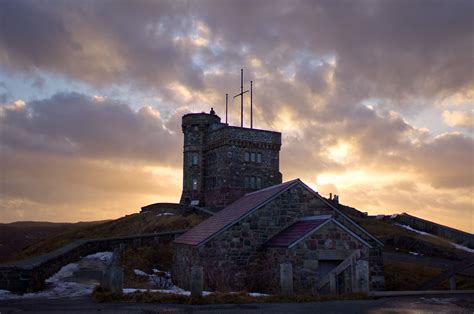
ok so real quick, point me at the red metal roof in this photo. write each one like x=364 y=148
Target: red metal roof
x=296 y=231
x=232 y=213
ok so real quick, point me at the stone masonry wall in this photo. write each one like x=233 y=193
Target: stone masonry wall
x=239 y=250
x=328 y=243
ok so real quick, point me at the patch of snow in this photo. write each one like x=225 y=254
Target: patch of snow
x=177 y=291
x=462 y=247
x=139 y=272
x=415 y=253
x=457 y=246
x=257 y=294
x=160 y=279
x=415 y=230
x=164 y=214
x=59 y=287
x=102 y=256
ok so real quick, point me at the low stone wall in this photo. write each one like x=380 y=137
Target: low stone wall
x=30 y=275
x=451 y=234
x=174 y=207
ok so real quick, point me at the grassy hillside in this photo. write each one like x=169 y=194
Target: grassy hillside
x=400 y=239
x=17 y=235
x=129 y=225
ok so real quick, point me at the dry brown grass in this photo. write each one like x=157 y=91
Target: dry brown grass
x=407 y=276
x=128 y=225
x=410 y=276
x=145 y=258
x=407 y=240
x=100 y=295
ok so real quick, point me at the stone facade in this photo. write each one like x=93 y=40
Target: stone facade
x=237 y=257
x=221 y=162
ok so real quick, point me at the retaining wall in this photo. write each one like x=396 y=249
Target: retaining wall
x=30 y=275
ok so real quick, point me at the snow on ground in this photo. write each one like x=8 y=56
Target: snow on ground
x=160 y=279
x=164 y=214
x=59 y=285
x=457 y=246
x=101 y=256
x=462 y=247
x=177 y=290
x=139 y=272
x=180 y=291
x=415 y=253
x=415 y=230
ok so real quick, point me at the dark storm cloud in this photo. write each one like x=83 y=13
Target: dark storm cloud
x=75 y=124
x=315 y=66
x=101 y=43
x=383 y=49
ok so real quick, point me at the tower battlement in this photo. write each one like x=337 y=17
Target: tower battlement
x=221 y=162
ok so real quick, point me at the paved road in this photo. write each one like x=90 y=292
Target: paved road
x=427 y=304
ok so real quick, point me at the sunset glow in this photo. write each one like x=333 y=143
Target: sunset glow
x=373 y=103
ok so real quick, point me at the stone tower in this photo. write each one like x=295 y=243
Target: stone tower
x=221 y=162
x=195 y=129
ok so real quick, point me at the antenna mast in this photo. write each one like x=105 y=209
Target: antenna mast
x=251 y=105
x=226 y=106
x=241 y=94
x=242 y=98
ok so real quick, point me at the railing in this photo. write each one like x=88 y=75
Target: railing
x=448 y=274
x=330 y=278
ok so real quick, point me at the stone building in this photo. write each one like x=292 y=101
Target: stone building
x=221 y=163
x=243 y=245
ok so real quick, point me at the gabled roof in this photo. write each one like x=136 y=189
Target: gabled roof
x=296 y=231
x=245 y=206
x=299 y=230
x=355 y=224
x=232 y=213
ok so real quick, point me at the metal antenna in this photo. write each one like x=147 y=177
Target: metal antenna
x=226 y=106
x=241 y=97
x=251 y=105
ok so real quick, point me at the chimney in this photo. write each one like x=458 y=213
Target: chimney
x=330 y=196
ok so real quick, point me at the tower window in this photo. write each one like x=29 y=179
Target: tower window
x=195 y=160
x=195 y=184
x=259 y=157
x=247 y=156
x=252 y=182
x=252 y=157
x=259 y=183
x=247 y=182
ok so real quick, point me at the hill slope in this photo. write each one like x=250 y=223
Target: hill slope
x=142 y=223
x=17 y=235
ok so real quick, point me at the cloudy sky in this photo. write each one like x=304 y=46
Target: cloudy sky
x=374 y=99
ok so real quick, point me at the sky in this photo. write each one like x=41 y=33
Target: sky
x=374 y=100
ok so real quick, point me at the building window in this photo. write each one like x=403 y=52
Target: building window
x=252 y=182
x=195 y=184
x=253 y=157
x=195 y=160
